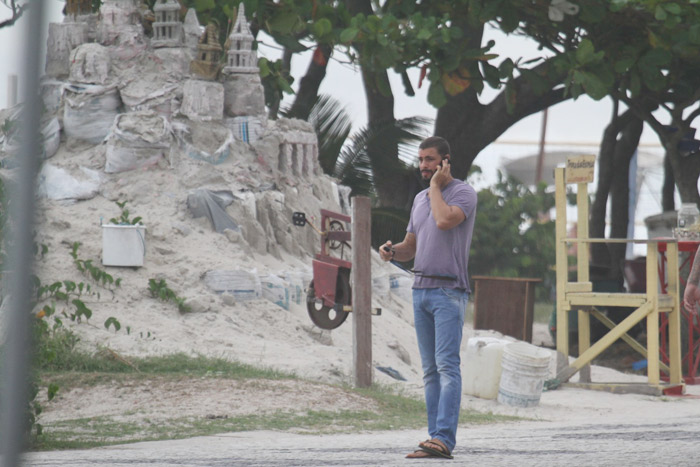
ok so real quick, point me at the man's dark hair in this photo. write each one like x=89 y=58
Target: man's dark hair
x=437 y=142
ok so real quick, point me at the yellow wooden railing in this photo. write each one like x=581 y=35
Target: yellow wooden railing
x=579 y=296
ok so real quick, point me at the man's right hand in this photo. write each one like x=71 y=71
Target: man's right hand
x=386 y=251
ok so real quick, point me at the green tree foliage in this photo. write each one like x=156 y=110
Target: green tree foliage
x=512 y=236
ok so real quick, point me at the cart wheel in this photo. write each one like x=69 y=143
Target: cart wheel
x=335 y=226
x=324 y=316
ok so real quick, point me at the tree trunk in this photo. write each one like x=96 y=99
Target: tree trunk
x=307 y=95
x=600 y=254
x=389 y=177
x=669 y=187
x=619 y=205
x=685 y=172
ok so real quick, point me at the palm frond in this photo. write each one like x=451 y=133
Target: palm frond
x=354 y=167
x=333 y=124
x=404 y=134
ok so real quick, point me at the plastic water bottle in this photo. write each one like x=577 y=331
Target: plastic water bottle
x=688 y=215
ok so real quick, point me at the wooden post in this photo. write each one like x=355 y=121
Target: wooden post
x=653 y=316
x=562 y=271
x=362 y=291
x=674 y=319
x=583 y=275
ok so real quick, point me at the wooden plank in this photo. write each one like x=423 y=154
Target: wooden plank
x=605 y=342
x=606 y=299
x=624 y=388
x=584 y=342
x=582 y=275
x=626 y=337
x=561 y=270
x=362 y=291
x=619 y=240
x=617 y=299
x=582 y=259
x=579 y=287
x=653 y=317
x=674 y=318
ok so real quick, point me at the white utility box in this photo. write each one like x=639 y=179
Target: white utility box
x=123 y=245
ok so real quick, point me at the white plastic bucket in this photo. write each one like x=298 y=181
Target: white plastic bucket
x=524 y=368
x=482 y=366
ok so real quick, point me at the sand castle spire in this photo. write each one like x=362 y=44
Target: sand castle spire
x=241 y=56
x=167 y=28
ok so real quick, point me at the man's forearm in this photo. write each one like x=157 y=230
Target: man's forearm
x=438 y=206
x=694 y=275
x=403 y=252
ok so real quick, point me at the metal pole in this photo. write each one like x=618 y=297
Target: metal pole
x=14 y=383
x=540 y=154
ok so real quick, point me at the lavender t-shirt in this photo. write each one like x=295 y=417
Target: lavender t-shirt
x=443 y=252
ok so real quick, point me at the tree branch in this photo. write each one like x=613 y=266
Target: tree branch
x=695 y=113
x=17 y=11
x=642 y=112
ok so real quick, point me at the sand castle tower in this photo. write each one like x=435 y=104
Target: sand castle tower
x=192 y=30
x=167 y=27
x=120 y=22
x=203 y=97
x=76 y=8
x=209 y=51
x=244 y=94
x=62 y=38
x=241 y=56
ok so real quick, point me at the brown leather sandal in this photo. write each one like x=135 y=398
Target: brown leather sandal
x=420 y=454
x=436 y=447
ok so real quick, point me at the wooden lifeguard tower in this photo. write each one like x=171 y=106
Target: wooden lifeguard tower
x=579 y=296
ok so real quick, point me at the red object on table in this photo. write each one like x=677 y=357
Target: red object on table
x=691 y=359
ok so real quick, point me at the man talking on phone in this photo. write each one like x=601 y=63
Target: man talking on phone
x=438 y=236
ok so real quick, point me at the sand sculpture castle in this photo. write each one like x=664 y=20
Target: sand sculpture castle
x=165 y=102
x=101 y=67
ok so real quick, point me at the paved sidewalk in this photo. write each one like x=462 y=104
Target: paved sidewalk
x=534 y=443
x=569 y=426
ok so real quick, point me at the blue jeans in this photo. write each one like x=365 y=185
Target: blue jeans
x=439 y=319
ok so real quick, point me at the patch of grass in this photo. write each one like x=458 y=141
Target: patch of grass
x=106 y=361
x=393 y=412
x=72 y=368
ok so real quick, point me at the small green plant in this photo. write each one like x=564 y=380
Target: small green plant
x=123 y=219
x=9 y=127
x=112 y=321
x=100 y=276
x=160 y=290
